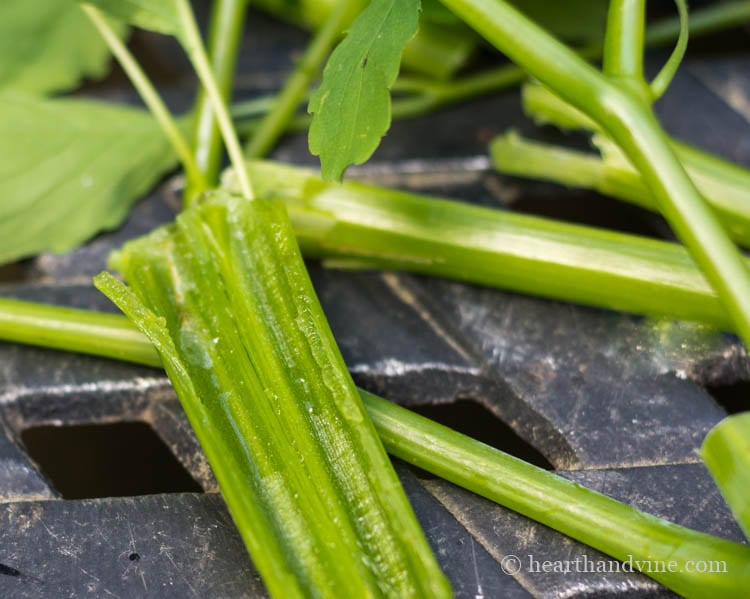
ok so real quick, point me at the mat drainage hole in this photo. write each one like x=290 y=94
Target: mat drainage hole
x=134 y=557
x=121 y=459
x=733 y=398
x=474 y=420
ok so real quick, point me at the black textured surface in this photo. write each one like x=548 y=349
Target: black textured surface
x=615 y=402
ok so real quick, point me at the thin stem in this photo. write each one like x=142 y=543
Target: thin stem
x=193 y=44
x=709 y=19
x=632 y=124
x=147 y=92
x=725 y=186
x=225 y=34
x=590 y=517
x=623 y=44
x=275 y=123
x=664 y=77
x=87 y=332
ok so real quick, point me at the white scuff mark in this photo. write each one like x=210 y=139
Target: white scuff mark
x=394 y=284
x=139 y=384
x=394 y=367
x=420 y=173
x=480 y=592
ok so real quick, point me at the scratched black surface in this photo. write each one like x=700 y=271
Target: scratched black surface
x=612 y=401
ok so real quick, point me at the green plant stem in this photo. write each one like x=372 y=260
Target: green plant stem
x=423 y=95
x=70 y=329
x=590 y=517
x=361 y=226
x=296 y=86
x=726 y=452
x=147 y=92
x=624 y=42
x=664 y=77
x=725 y=186
x=603 y=523
x=631 y=123
x=225 y=33
x=432 y=94
x=193 y=44
x=224 y=295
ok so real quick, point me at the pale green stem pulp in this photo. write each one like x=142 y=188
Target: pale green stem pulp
x=313 y=493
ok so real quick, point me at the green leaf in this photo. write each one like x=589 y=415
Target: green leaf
x=70 y=168
x=154 y=15
x=352 y=106
x=662 y=80
x=48 y=46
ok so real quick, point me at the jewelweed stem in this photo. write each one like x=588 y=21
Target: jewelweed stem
x=193 y=44
x=275 y=122
x=225 y=33
x=147 y=92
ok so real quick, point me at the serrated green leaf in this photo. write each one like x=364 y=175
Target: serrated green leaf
x=154 y=15
x=352 y=106
x=70 y=168
x=48 y=46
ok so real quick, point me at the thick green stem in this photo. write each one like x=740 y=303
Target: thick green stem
x=225 y=33
x=147 y=92
x=724 y=185
x=275 y=123
x=356 y=225
x=225 y=297
x=624 y=42
x=631 y=123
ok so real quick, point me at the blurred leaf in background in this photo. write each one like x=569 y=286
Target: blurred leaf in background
x=48 y=46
